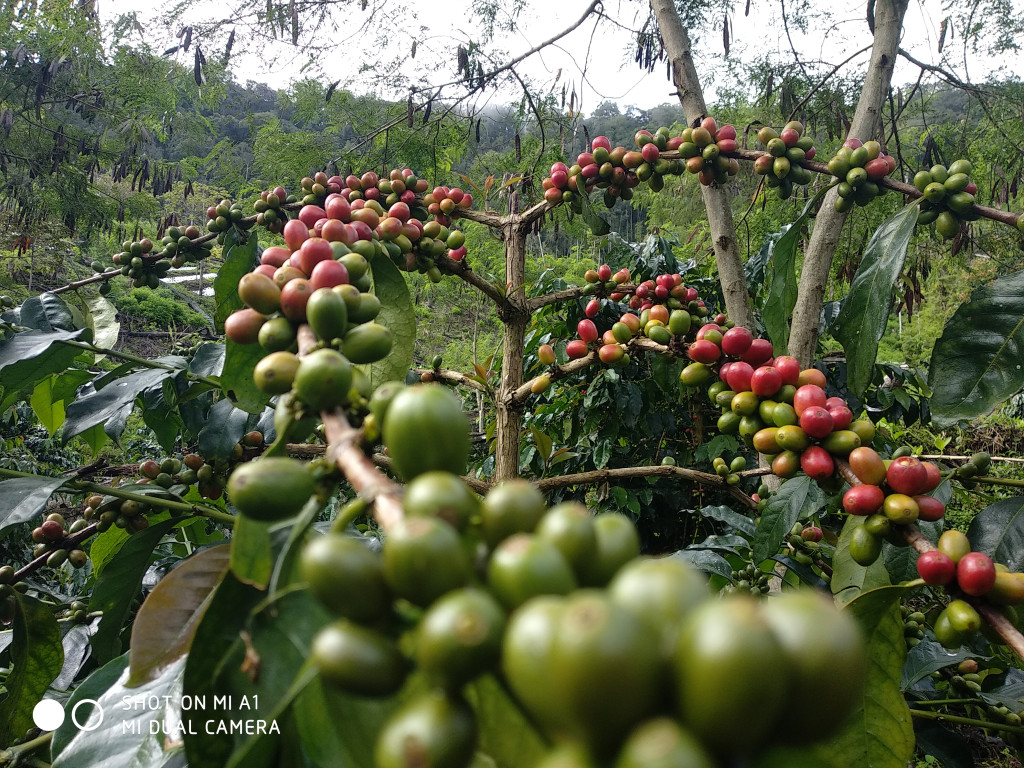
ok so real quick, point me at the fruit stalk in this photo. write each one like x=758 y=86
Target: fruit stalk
x=661 y=470
x=343 y=449
x=941 y=717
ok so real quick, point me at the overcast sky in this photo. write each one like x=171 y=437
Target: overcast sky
x=596 y=59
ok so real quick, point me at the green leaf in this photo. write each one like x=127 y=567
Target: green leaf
x=95 y=438
x=23 y=498
x=543 y=443
x=269 y=662
x=850 y=579
x=398 y=315
x=238 y=260
x=49 y=412
x=252 y=561
x=224 y=428
x=27 y=358
x=709 y=562
x=782 y=291
x=47 y=312
x=978 y=362
x=102 y=319
x=597 y=223
x=166 y=623
x=733 y=519
x=505 y=734
x=339 y=730
x=112 y=401
x=926 y=657
x=36 y=659
x=951 y=749
x=208 y=360
x=879 y=734
x=124 y=737
x=865 y=312
x=92 y=687
x=118 y=585
x=796 y=500
x=236 y=379
x=998 y=531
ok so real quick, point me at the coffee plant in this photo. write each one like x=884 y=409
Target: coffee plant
x=313 y=575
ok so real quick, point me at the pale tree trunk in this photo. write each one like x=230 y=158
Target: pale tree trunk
x=509 y=416
x=716 y=201
x=866 y=125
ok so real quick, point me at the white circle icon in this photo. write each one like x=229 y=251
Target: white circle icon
x=48 y=715
x=87 y=725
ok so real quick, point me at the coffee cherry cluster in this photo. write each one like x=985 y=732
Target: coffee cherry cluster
x=192 y=469
x=706 y=149
x=749 y=579
x=608 y=651
x=51 y=537
x=269 y=212
x=948 y=197
x=728 y=470
x=317 y=279
x=146 y=263
x=977 y=465
x=783 y=166
x=859 y=166
x=914 y=624
x=225 y=215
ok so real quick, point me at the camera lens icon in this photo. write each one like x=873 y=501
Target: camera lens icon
x=49 y=715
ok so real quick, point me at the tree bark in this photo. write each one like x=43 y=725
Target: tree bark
x=866 y=125
x=716 y=201
x=514 y=318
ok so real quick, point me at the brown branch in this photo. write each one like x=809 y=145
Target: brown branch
x=623 y=473
x=574 y=292
x=455 y=377
x=79 y=283
x=556 y=372
x=344 y=449
x=462 y=270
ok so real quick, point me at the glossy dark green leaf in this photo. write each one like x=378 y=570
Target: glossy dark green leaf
x=754 y=269
x=239 y=259
x=803 y=572
x=730 y=517
x=208 y=360
x=998 y=531
x=47 y=312
x=270 y=663
x=706 y=561
x=165 y=624
x=879 y=733
x=901 y=562
x=1009 y=694
x=782 y=291
x=849 y=578
x=398 y=315
x=166 y=425
x=144 y=733
x=978 y=362
x=865 y=312
x=796 y=500
x=23 y=498
x=110 y=402
x=926 y=657
x=36 y=659
x=224 y=428
x=118 y=585
x=27 y=358
x=951 y=749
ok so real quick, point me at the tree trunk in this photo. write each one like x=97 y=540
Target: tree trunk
x=866 y=125
x=509 y=416
x=716 y=201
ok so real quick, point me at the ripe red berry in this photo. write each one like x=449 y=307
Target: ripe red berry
x=936 y=568
x=975 y=573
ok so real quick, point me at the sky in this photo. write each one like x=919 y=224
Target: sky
x=596 y=59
